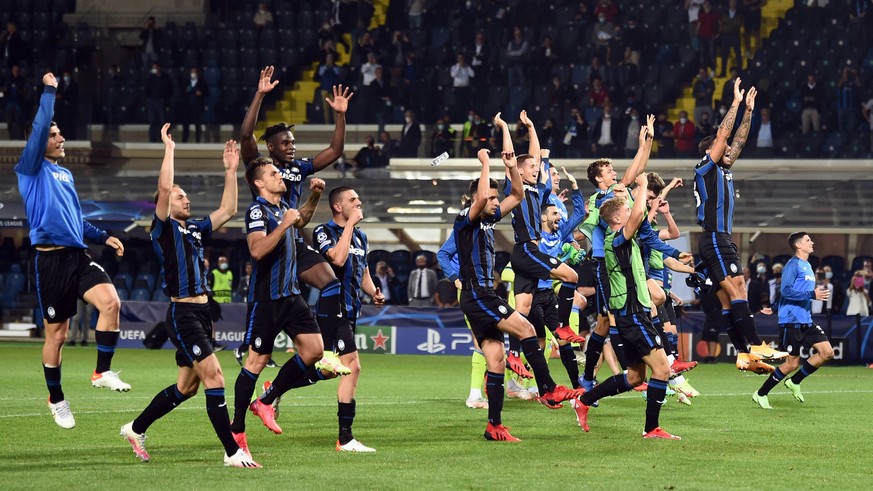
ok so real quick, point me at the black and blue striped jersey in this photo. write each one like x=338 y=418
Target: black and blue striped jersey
x=180 y=252
x=350 y=274
x=526 y=223
x=714 y=193
x=275 y=275
x=474 y=239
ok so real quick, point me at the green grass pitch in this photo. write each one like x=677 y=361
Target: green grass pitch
x=411 y=409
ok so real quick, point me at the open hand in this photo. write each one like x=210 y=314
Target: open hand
x=231 y=156
x=264 y=83
x=341 y=98
x=166 y=137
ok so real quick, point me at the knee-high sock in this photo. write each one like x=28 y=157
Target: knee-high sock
x=735 y=335
x=106 y=343
x=216 y=408
x=243 y=390
x=163 y=402
x=772 y=381
x=568 y=358
x=477 y=373
x=592 y=354
x=806 y=370
x=53 y=382
x=673 y=340
x=494 y=390
x=514 y=345
x=745 y=321
x=537 y=361
x=566 y=295
x=289 y=375
x=345 y=413
x=655 y=396
x=614 y=385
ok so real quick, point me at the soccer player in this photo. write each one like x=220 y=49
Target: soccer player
x=274 y=301
x=312 y=268
x=344 y=245
x=490 y=316
x=797 y=330
x=714 y=193
x=631 y=306
x=178 y=242
x=63 y=270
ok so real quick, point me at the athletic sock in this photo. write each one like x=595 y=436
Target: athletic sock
x=734 y=334
x=243 y=390
x=106 y=343
x=614 y=385
x=568 y=358
x=806 y=370
x=311 y=377
x=673 y=343
x=744 y=321
x=345 y=413
x=328 y=311
x=477 y=372
x=592 y=354
x=538 y=364
x=216 y=408
x=771 y=382
x=566 y=294
x=53 y=382
x=494 y=391
x=289 y=375
x=655 y=396
x=514 y=345
x=163 y=402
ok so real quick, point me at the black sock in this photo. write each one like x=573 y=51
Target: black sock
x=53 y=382
x=514 y=345
x=744 y=321
x=583 y=321
x=106 y=343
x=217 y=411
x=806 y=370
x=592 y=354
x=734 y=334
x=538 y=364
x=655 y=396
x=329 y=312
x=289 y=375
x=614 y=385
x=163 y=402
x=566 y=294
x=772 y=381
x=312 y=376
x=243 y=390
x=494 y=392
x=618 y=346
x=568 y=358
x=673 y=344
x=346 y=414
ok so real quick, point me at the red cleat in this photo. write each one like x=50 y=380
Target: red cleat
x=499 y=433
x=581 y=413
x=642 y=387
x=565 y=333
x=659 y=433
x=265 y=412
x=240 y=439
x=561 y=393
x=513 y=362
x=679 y=367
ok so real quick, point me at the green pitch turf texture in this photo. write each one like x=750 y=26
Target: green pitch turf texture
x=411 y=409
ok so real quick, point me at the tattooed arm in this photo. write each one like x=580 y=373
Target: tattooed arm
x=716 y=152
x=743 y=131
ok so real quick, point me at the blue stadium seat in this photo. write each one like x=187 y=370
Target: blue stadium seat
x=144 y=280
x=122 y=293
x=141 y=295
x=125 y=279
x=159 y=296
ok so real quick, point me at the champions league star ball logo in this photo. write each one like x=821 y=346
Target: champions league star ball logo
x=322 y=237
x=196 y=350
x=51 y=312
x=255 y=214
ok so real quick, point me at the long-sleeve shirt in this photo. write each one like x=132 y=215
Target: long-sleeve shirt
x=798 y=290
x=50 y=200
x=447 y=256
x=552 y=243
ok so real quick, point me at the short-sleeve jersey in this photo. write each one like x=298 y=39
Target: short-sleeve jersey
x=714 y=194
x=275 y=275
x=180 y=251
x=474 y=239
x=351 y=273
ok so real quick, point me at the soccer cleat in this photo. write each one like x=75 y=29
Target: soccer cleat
x=686 y=388
x=513 y=362
x=659 y=433
x=549 y=403
x=241 y=441
x=565 y=333
x=271 y=363
x=239 y=355
x=354 y=446
x=683 y=399
x=267 y=415
x=761 y=401
x=330 y=363
x=679 y=367
x=752 y=363
x=645 y=393
x=137 y=441
x=240 y=459
x=581 y=410
x=499 y=433
x=642 y=387
x=515 y=390
x=109 y=380
x=276 y=401
x=477 y=403
x=766 y=352
x=553 y=398
x=62 y=414
x=588 y=385
x=795 y=389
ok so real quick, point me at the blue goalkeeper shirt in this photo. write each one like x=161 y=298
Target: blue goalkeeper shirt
x=798 y=290
x=447 y=256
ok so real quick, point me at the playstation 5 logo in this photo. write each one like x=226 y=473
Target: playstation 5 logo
x=433 y=344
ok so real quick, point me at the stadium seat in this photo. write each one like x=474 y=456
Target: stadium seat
x=140 y=295
x=144 y=280
x=124 y=279
x=858 y=262
x=159 y=296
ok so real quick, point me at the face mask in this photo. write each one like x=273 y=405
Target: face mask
x=67 y=79
x=223 y=266
x=601 y=19
x=441 y=127
x=154 y=71
x=683 y=120
x=722 y=111
x=635 y=117
x=762 y=270
x=470 y=118
x=829 y=275
x=193 y=76
x=858 y=282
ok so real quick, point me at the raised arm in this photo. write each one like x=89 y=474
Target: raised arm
x=34 y=149
x=517 y=191
x=247 y=140
x=339 y=104
x=482 y=190
x=166 y=175
x=742 y=135
x=641 y=158
x=716 y=152
x=675 y=183
x=316 y=187
x=638 y=212
x=507 y=137
x=261 y=244
x=228 y=207
x=677 y=265
x=672 y=230
x=534 y=148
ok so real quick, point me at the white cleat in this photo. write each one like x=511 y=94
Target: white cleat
x=109 y=380
x=62 y=414
x=241 y=459
x=136 y=440
x=480 y=403
x=353 y=446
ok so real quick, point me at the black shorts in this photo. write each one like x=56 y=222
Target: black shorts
x=791 y=339
x=340 y=340
x=602 y=290
x=639 y=336
x=266 y=319
x=666 y=312
x=307 y=257
x=719 y=254
x=484 y=309
x=530 y=265
x=61 y=278
x=544 y=312
x=189 y=326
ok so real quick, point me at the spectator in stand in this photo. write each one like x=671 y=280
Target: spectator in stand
x=422 y=284
x=194 y=94
x=868 y=275
x=847 y=100
x=480 y=60
x=469 y=145
x=389 y=147
x=664 y=136
x=242 y=288
x=575 y=135
x=365 y=46
x=693 y=7
x=631 y=139
x=400 y=45
x=603 y=33
x=461 y=74
x=517 y=55
x=328 y=74
x=596 y=70
x=859 y=299
x=559 y=94
x=446 y=294
x=547 y=56
x=263 y=17
x=368 y=69
x=415 y=12
x=158 y=90
x=867 y=111
x=812 y=96
x=684 y=136
x=151 y=42
x=16 y=94
x=521 y=138
x=756 y=286
x=387 y=282
x=822 y=282
x=410 y=137
x=762 y=136
x=549 y=136
x=635 y=40
x=599 y=94
x=67 y=105
x=702 y=91
x=731 y=21
x=752 y=24
x=859 y=21
x=13 y=46
x=379 y=98
x=707 y=32
x=727 y=90
x=775 y=285
x=608 y=9
x=408 y=93
x=370 y=156
x=605 y=134
x=704 y=128
x=443 y=138
x=838 y=294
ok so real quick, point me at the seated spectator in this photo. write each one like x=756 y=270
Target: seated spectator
x=762 y=136
x=370 y=157
x=559 y=94
x=664 y=136
x=550 y=136
x=547 y=55
x=702 y=90
x=443 y=138
x=575 y=135
x=632 y=134
x=608 y=9
x=603 y=33
x=389 y=146
x=847 y=101
x=263 y=17
x=605 y=134
x=727 y=90
x=704 y=128
x=634 y=39
x=599 y=94
x=684 y=137
x=596 y=70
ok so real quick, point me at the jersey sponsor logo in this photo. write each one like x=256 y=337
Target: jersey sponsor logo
x=255 y=213
x=433 y=344
x=528 y=187
x=809 y=277
x=194 y=233
x=292 y=174
x=357 y=251
x=486 y=226
x=60 y=176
